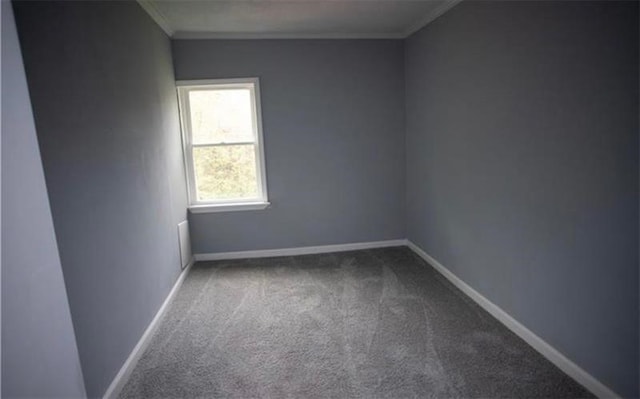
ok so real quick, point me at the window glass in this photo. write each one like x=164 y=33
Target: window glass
x=221 y=116
x=224 y=172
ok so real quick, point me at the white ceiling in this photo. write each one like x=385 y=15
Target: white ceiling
x=264 y=19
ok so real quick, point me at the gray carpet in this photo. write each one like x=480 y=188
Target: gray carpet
x=369 y=324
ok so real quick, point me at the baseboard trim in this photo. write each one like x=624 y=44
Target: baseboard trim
x=299 y=250
x=127 y=368
x=546 y=350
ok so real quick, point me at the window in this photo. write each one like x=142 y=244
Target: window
x=222 y=136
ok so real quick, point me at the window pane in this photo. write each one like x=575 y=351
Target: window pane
x=221 y=116
x=225 y=172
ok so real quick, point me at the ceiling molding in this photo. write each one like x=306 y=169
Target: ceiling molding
x=292 y=35
x=163 y=23
x=446 y=6
x=157 y=16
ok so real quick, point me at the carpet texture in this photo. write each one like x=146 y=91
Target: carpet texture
x=369 y=324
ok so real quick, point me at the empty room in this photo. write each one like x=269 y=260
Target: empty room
x=320 y=199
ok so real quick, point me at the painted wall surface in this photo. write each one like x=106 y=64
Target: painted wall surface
x=522 y=168
x=101 y=81
x=333 y=123
x=39 y=354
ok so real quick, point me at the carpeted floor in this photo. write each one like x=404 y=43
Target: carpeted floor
x=369 y=324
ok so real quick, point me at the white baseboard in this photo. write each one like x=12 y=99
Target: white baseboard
x=127 y=368
x=546 y=350
x=299 y=250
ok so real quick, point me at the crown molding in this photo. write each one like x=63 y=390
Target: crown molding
x=157 y=16
x=163 y=23
x=289 y=35
x=430 y=17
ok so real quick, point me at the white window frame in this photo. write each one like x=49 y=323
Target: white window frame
x=253 y=85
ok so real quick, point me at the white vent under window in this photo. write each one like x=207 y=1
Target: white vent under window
x=185 y=243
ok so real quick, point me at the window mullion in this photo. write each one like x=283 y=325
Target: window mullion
x=222 y=144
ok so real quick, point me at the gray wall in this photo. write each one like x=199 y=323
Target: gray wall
x=522 y=168
x=334 y=140
x=103 y=93
x=39 y=354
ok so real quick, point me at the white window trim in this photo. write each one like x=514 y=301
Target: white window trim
x=195 y=206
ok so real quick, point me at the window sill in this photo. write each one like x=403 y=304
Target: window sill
x=240 y=206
